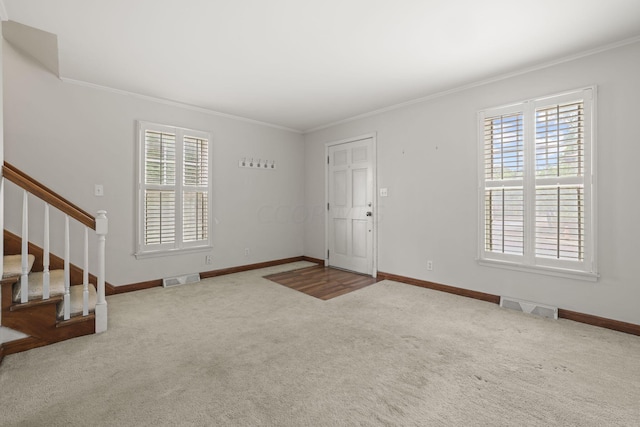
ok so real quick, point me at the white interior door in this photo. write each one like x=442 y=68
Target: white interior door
x=350 y=205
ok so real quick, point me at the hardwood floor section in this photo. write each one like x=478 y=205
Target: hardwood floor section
x=322 y=282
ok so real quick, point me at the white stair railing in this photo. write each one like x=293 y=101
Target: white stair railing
x=99 y=223
x=45 y=256
x=67 y=273
x=24 y=278
x=85 y=275
x=102 y=225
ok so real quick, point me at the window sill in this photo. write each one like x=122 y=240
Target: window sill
x=548 y=271
x=171 y=252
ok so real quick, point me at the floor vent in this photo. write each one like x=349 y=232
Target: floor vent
x=529 y=307
x=168 y=282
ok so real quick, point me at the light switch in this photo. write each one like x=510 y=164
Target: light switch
x=384 y=192
x=98 y=190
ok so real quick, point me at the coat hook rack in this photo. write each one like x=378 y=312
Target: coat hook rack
x=256 y=163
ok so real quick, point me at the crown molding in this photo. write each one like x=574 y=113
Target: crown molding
x=176 y=104
x=484 y=82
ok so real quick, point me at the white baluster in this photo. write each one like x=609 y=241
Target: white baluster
x=45 y=255
x=101 y=305
x=85 y=275
x=67 y=281
x=24 y=279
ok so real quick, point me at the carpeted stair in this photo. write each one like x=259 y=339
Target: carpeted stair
x=42 y=320
x=13 y=268
x=13 y=265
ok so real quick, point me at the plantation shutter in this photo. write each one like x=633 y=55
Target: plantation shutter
x=196 y=177
x=537 y=185
x=174 y=187
x=560 y=161
x=159 y=197
x=503 y=177
x=504 y=221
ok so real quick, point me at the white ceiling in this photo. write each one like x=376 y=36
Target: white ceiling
x=303 y=64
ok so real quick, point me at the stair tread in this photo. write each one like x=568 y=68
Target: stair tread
x=13 y=265
x=56 y=285
x=76 y=299
x=34 y=303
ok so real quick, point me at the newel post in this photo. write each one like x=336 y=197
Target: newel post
x=101 y=305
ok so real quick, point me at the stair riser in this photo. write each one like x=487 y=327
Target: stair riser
x=40 y=321
x=79 y=329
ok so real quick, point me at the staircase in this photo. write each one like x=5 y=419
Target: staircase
x=42 y=319
x=44 y=298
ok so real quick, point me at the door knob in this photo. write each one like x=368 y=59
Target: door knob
x=369 y=213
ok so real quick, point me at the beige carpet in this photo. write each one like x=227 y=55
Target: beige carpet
x=240 y=350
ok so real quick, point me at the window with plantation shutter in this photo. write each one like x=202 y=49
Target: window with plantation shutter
x=537 y=185
x=174 y=188
x=196 y=188
x=504 y=183
x=559 y=216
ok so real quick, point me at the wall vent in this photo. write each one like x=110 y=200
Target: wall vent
x=168 y=282
x=529 y=307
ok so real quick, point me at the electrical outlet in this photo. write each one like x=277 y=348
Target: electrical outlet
x=429 y=265
x=246 y=251
x=207 y=259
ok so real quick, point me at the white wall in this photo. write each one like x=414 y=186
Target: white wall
x=71 y=137
x=427 y=158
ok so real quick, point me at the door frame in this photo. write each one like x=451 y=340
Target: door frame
x=374 y=208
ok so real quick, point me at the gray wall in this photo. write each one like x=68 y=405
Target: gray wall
x=71 y=137
x=427 y=158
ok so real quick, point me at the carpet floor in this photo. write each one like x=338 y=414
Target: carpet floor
x=239 y=350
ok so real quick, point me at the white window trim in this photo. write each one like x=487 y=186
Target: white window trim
x=586 y=270
x=143 y=251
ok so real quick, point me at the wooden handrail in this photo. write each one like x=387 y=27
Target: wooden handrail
x=41 y=191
